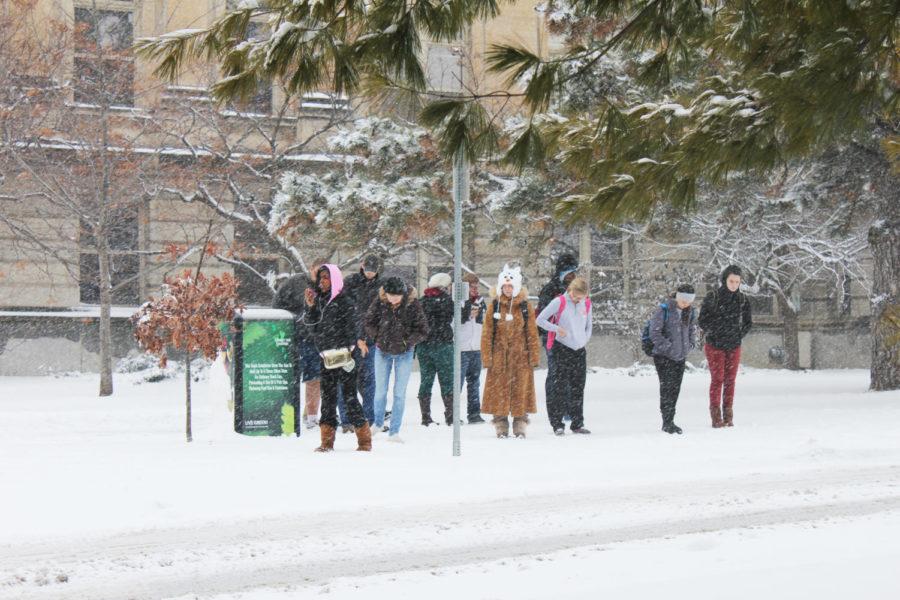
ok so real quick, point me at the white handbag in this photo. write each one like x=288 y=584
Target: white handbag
x=339 y=358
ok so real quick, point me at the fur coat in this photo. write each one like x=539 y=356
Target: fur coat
x=510 y=351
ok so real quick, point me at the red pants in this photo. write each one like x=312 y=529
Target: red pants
x=723 y=367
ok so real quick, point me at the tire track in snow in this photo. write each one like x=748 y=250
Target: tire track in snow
x=140 y=557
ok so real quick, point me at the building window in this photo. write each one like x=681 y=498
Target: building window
x=123 y=239
x=762 y=305
x=253 y=289
x=606 y=249
x=104 y=63
x=261 y=101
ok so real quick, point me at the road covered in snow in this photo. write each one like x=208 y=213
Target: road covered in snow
x=104 y=499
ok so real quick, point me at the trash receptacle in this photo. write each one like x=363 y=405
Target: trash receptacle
x=264 y=378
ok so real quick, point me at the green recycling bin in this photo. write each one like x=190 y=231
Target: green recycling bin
x=265 y=377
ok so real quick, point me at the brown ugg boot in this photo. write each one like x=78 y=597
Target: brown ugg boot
x=716 y=413
x=364 y=438
x=501 y=425
x=519 y=426
x=327 y=434
x=728 y=416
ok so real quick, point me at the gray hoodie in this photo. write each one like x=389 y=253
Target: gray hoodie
x=671 y=338
x=575 y=319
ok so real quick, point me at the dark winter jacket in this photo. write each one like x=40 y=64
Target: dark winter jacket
x=672 y=337
x=438 y=307
x=290 y=297
x=332 y=322
x=363 y=291
x=725 y=318
x=396 y=330
x=555 y=287
x=466 y=311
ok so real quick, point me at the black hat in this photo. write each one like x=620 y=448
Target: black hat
x=372 y=264
x=685 y=288
x=566 y=262
x=731 y=270
x=394 y=285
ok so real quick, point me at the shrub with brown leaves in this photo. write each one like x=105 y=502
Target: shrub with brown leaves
x=186 y=317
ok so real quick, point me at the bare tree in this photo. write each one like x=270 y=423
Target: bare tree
x=73 y=150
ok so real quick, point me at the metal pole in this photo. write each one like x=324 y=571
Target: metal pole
x=460 y=198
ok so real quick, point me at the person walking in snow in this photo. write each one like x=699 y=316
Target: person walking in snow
x=436 y=352
x=725 y=319
x=673 y=333
x=396 y=323
x=568 y=323
x=471 y=324
x=363 y=288
x=510 y=352
x=331 y=319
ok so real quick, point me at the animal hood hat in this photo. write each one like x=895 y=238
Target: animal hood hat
x=512 y=276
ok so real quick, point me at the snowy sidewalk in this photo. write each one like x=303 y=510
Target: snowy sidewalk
x=107 y=501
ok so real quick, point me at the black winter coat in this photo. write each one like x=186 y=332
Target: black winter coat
x=438 y=307
x=466 y=310
x=396 y=330
x=363 y=291
x=333 y=324
x=725 y=318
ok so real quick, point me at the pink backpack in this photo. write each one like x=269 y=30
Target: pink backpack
x=551 y=336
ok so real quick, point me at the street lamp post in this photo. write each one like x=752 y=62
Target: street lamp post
x=460 y=198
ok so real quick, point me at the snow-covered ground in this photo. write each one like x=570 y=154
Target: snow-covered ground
x=103 y=499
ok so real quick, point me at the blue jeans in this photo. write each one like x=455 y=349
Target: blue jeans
x=310 y=361
x=366 y=382
x=470 y=373
x=402 y=365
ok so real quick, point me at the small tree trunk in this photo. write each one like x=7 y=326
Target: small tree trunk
x=101 y=235
x=187 y=396
x=790 y=333
x=884 y=240
x=106 y=381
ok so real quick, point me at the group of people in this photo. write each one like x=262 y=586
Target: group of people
x=725 y=319
x=355 y=335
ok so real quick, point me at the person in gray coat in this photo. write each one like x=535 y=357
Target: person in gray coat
x=673 y=333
